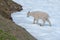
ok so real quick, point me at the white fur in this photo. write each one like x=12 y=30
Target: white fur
x=39 y=15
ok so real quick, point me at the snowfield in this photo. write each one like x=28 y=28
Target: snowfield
x=52 y=7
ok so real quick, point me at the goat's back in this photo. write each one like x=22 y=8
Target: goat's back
x=39 y=14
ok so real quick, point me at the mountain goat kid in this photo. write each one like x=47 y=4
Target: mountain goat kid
x=39 y=15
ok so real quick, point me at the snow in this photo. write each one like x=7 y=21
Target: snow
x=52 y=7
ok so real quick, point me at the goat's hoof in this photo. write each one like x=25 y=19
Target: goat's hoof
x=41 y=25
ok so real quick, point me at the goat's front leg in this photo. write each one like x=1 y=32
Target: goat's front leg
x=34 y=21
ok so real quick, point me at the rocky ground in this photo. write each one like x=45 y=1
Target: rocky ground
x=7 y=26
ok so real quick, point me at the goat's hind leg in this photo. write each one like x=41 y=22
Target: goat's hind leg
x=42 y=23
x=37 y=21
x=49 y=22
